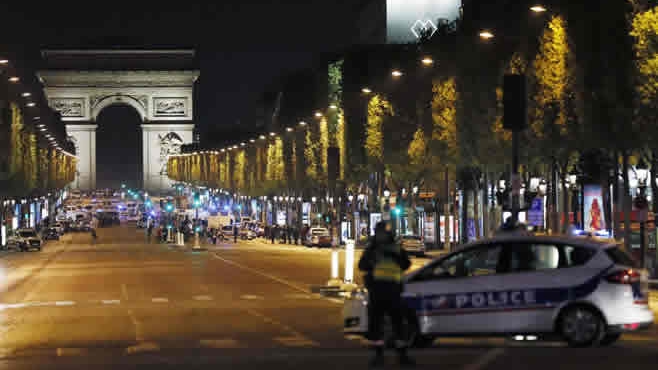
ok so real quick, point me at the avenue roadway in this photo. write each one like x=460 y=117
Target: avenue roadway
x=123 y=302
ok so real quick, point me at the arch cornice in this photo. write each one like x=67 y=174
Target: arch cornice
x=137 y=102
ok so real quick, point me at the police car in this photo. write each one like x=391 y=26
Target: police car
x=585 y=290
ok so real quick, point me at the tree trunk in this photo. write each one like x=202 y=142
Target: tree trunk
x=627 y=202
x=485 y=207
x=476 y=210
x=617 y=196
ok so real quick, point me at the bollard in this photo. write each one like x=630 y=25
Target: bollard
x=348 y=283
x=334 y=281
x=197 y=245
x=180 y=239
x=349 y=261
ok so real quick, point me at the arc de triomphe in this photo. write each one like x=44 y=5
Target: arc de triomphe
x=158 y=84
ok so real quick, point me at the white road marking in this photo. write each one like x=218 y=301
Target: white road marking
x=296 y=341
x=219 y=343
x=62 y=352
x=294 y=335
x=159 y=300
x=64 y=303
x=264 y=274
x=143 y=347
x=202 y=298
x=139 y=333
x=484 y=360
x=297 y=296
x=111 y=301
x=252 y=297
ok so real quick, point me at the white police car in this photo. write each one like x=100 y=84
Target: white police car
x=585 y=290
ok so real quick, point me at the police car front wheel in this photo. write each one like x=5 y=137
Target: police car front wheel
x=581 y=326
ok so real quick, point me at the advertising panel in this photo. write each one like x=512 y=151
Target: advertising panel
x=430 y=230
x=444 y=231
x=593 y=208
x=374 y=219
x=407 y=20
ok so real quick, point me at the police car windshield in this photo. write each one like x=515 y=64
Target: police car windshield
x=620 y=257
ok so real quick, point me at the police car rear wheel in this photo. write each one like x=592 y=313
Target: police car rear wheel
x=581 y=326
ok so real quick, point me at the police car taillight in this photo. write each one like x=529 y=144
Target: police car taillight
x=623 y=277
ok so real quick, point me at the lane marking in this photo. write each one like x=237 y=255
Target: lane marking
x=64 y=303
x=202 y=298
x=298 y=337
x=159 y=300
x=139 y=333
x=143 y=347
x=252 y=297
x=124 y=291
x=219 y=343
x=63 y=352
x=111 y=301
x=264 y=274
x=295 y=342
x=486 y=359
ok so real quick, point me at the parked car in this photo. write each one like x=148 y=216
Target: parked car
x=247 y=234
x=586 y=291
x=24 y=239
x=227 y=231
x=59 y=227
x=413 y=244
x=50 y=233
x=318 y=237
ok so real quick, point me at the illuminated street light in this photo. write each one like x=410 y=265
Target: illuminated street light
x=538 y=9
x=262 y=137
x=366 y=90
x=387 y=193
x=243 y=144
x=289 y=129
x=26 y=94
x=14 y=79
x=333 y=106
x=4 y=61
x=486 y=35
x=318 y=114
x=427 y=61
x=272 y=133
x=31 y=104
x=252 y=140
x=396 y=73
x=302 y=123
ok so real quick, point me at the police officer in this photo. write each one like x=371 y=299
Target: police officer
x=384 y=261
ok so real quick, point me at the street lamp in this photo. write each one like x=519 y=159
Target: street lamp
x=387 y=193
x=538 y=8
x=396 y=73
x=318 y=114
x=486 y=35
x=427 y=61
x=641 y=203
x=366 y=90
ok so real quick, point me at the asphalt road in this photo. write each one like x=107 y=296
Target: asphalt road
x=125 y=303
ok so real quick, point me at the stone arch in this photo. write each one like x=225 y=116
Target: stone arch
x=119 y=99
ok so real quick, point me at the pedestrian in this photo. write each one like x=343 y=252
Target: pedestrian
x=273 y=232
x=384 y=262
x=235 y=233
x=295 y=232
x=289 y=234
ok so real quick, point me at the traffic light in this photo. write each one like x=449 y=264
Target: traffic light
x=170 y=207
x=397 y=211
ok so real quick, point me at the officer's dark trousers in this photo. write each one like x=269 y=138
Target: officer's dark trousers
x=385 y=300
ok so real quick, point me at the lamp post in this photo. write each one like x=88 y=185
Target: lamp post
x=572 y=182
x=642 y=171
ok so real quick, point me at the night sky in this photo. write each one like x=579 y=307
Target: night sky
x=243 y=46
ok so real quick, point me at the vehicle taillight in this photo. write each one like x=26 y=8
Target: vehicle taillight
x=623 y=277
